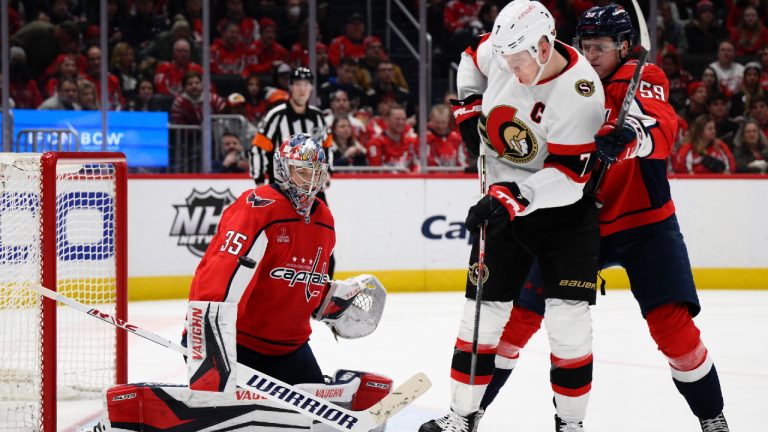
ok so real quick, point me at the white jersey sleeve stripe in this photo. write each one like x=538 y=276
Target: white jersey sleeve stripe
x=243 y=274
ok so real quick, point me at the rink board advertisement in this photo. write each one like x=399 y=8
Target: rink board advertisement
x=141 y=136
x=410 y=231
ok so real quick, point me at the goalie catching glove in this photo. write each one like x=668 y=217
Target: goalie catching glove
x=352 y=307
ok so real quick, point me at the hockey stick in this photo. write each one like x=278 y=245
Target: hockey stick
x=480 y=272
x=276 y=390
x=645 y=48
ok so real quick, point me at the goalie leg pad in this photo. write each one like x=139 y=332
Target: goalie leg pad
x=155 y=407
x=354 y=390
x=212 y=346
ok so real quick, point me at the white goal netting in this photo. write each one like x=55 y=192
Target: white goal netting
x=85 y=268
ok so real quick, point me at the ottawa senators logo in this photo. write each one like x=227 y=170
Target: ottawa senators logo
x=474 y=272
x=585 y=88
x=508 y=136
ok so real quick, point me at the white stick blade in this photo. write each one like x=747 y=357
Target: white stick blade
x=645 y=40
x=403 y=395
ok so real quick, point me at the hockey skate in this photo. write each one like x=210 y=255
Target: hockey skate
x=561 y=426
x=717 y=424
x=453 y=422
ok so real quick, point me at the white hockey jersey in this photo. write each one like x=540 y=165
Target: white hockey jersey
x=540 y=137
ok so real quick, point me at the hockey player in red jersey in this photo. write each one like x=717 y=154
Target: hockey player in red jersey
x=638 y=226
x=270 y=255
x=536 y=104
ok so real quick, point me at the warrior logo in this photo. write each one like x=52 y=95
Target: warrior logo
x=196 y=221
x=508 y=136
x=474 y=272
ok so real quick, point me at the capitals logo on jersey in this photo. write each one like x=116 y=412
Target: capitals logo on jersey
x=256 y=201
x=507 y=135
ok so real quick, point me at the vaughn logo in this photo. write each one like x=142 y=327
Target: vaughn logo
x=196 y=221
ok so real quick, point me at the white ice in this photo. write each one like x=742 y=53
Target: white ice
x=632 y=390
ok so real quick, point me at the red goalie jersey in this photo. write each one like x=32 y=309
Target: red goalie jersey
x=636 y=191
x=266 y=258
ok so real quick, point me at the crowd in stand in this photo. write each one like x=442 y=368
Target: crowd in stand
x=154 y=65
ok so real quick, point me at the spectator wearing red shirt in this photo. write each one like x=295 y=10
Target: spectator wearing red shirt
x=445 y=146
x=750 y=35
x=350 y=44
x=229 y=55
x=66 y=67
x=187 y=108
x=394 y=147
x=270 y=54
x=168 y=75
x=24 y=89
x=93 y=74
x=702 y=152
x=249 y=28
x=459 y=14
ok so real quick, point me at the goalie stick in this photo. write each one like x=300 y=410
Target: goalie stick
x=645 y=48
x=273 y=389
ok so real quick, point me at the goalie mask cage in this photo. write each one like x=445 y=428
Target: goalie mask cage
x=62 y=225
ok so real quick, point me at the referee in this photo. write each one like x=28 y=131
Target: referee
x=284 y=120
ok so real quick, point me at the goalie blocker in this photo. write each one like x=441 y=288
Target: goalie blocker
x=158 y=407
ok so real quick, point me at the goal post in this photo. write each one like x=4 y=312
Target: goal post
x=62 y=225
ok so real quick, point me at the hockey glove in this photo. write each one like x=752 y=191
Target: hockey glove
x=713 y=164
x=615 y=146
x=500 y=206
x=467 y=113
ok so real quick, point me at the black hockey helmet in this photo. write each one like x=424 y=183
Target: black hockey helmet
x=612 y=21
x=302 y=73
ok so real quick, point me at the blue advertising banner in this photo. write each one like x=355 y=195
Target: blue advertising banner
x=142 y=136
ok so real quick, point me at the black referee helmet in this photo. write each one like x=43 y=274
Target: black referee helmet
x=302 y=73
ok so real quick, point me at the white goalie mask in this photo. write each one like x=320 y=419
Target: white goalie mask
x=518 y=29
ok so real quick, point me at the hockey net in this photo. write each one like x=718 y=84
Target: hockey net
x=62 y=225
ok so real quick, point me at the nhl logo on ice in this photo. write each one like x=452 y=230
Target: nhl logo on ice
x=508 y=135
x=196 y=221
x=474 y=271
x=585 y=88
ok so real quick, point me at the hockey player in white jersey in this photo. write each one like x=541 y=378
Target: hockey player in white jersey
x=534 y=104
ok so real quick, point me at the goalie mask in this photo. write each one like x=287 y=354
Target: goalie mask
x=301 y=169
x=516 y=34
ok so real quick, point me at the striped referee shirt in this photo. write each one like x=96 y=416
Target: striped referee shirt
x=280 y=123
